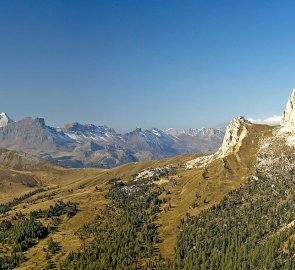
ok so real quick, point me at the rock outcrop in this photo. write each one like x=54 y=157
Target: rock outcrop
x=288 y=121
x=236 y=131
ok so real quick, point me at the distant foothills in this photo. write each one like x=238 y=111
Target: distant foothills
x=77 y=145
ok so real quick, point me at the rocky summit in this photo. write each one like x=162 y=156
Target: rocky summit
x=288 y=120
x=236 y=131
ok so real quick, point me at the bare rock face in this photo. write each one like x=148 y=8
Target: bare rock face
x=288 y=121
x=236 y=131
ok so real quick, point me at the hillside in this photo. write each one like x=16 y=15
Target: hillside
x=86 y=187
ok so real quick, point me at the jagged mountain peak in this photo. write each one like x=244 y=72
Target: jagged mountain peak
x=171 y=131
x=235 y=132
x=30 y=122
x=196 y=132
x=240 y=136
x=288 y=121
x=153 y=132
x=77 y=127
x=73 y=125
x=3 y=114
x=204 y=132
x=5 y=119
x=157 y=132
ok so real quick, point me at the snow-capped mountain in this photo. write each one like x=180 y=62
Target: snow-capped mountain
x=5 y=120
x=197 y=132
x=89 y=132
x=198 y=140
x=79 y=145
x=151 y=144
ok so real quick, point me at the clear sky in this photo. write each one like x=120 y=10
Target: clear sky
x=147 y=63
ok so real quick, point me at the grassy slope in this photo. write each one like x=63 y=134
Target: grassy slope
x=207 y=186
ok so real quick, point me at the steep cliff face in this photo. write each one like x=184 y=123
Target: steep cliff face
x=288 y=121
x=33 y=136
x=236 y=131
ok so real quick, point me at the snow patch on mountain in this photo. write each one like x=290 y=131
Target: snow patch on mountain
x=196 y=132
x=156 y=132
x=5 y=119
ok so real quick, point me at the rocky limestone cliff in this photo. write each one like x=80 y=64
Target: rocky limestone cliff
x=236 y=131
x=288 y=121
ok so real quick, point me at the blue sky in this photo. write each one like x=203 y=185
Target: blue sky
x=147 y=63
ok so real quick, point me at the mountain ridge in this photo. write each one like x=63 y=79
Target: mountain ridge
x=88 y=145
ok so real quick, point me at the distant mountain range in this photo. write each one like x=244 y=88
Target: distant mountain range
x=78 y=145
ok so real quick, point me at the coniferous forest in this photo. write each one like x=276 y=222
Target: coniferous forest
x=249 y=229
x=123 y=235
x=21 y=232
